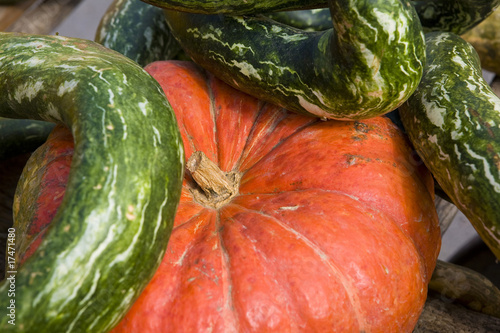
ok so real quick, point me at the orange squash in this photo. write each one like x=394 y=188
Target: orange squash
x=288 y=223
x=298 y=225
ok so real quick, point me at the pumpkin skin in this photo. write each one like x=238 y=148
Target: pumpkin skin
x=333 y=227
x=45 y=176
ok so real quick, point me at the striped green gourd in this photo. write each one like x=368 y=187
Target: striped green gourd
x=138 y=31
x=453 y=16
x=453 y=120
x=367 y=66
x=456 y=16
x=111 y=230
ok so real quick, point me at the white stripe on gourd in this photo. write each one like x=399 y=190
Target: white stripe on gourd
x=452 y=120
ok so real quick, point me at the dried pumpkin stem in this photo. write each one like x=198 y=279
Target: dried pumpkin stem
x=217 y=185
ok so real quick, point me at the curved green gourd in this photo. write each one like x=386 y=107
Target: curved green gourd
x=453 y=16
x=367 y=66
x=18 y=136
x=112 y=228
x=453 y=120
x=138 y=31
x=436 y=15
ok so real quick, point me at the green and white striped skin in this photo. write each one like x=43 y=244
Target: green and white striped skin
x=435 y=15
x=112 y=228
x=453 y=120
x=138 y=31
x=367 y=66
x=18 y=136
x=456 y=16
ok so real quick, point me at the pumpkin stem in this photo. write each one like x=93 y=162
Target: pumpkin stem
x=218 y=187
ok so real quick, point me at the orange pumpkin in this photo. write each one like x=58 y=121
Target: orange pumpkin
x=288 y=223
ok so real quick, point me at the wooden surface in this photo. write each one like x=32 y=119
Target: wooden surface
x=35 y=16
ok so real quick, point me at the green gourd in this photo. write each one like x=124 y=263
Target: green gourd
x=112 y=228
x=367 y=65
x=138 y=31
x=453 y=121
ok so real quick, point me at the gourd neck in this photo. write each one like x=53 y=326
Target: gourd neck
x=213 y=187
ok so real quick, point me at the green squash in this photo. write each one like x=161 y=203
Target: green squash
x=366 y=66
x=453 y=121
x=138 y=31
x=111 y=230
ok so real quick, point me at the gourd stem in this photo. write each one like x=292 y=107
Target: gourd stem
x=208 y=175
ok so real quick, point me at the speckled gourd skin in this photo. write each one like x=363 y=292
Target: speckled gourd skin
x=138 y=31
x=113 y=225
x=453 y=120
x=436 y=15
x=367 y=66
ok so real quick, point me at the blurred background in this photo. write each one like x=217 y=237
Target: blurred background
x=82 y=22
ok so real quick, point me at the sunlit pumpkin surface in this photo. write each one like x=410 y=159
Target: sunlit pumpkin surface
x=331 y=228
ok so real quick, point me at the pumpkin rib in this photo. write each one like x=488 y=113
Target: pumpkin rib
x=267 y=269
x=361 y=202
x=345 y=281
x=218 y=92
x=389 y=228
x=192 y=239
x=186 y=77
x=213 y=114
x=194 y=217
x=266 y=174
x=366 y=204
x=259 y=297
x=274 y=123
x=189 y=138
x=226 y=276
x=223 y=112
x=236 y=166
